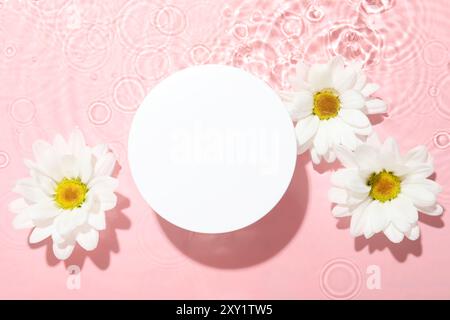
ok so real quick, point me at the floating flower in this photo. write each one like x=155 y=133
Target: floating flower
x=69 y=189
x=383 y=191
x=330 y=104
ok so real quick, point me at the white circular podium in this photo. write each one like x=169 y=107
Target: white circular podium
x=212 y=149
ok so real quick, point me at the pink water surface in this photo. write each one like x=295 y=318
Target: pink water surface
x=67 y=63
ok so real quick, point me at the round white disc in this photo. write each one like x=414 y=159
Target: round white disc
x=212 y=149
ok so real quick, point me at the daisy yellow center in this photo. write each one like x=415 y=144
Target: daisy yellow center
x=385 y=186
x=326 y=104
x=70 y=193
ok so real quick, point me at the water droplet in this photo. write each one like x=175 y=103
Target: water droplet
x=340 y=279
x=99 y=113
x=152 y=64
x=377 y=6
x=199 y=54
x=128 y=93
x=4 y=159
x=23 y=110
x=433 y=91
x=442 y=139
x=240 y=31
x=227 y=12
x=435 y=53
x=257 y=16
x=10 y=51
x=170 y=20
x=314 y=13
x=292 y=26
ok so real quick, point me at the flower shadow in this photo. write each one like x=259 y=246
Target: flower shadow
x=108 y=243
x=379 y=242
x=324 y=167
x=251 y=245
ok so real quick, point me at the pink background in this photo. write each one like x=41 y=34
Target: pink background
x=66 y=63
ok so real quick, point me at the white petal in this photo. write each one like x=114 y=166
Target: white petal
x=363 y=131
x=358 y=185
x=335 y=127
x=330 y=156
x=406 y=209
x=435 y=210
x=340 y=177
x=370 y=89
x=393 y=234
x=343 y=79
x=359 y=219
x=22 y=221
x=417 y=155
x=352 y=99
x=85 y=165
x=354 y=118
x=421 y=171
x=414 y=233
x=338 y=195
x=306 y=129
x=88 y=240
x=62 y=252
x=46 y=184
x=103 y=183
x=346 y=157
x=321 y=141
x=360 y=81
x=348 y=137
x=367 y=158
x=76 y=142
x=389 y=152
x=319 y=76
x=69 y=220
x=40 y=149
x=108 y=200
x=43 y=210
x=97 y=220
x=57 y=238
x=377 y=216
x=349 y=179
x=29 y=192
x=105 y=165
x=301 y=71
x=70 y=166
x=60 y=145
x=419 y=195
x=99 y=150
x=376 y=106
x=301 y=148
x=315 y=158
x=17 y=205
x=337 y=63
x=39 y=234
x=340 y=211
x=430 y=185
x=398 y=217
x=373 y=140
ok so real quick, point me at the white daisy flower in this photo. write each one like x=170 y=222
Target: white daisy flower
x=330 y=104
x=383 y=191
x=69 y=189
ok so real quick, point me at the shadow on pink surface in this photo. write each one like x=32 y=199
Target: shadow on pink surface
x=107 y=243
x=400 y=251
x=254 y=244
